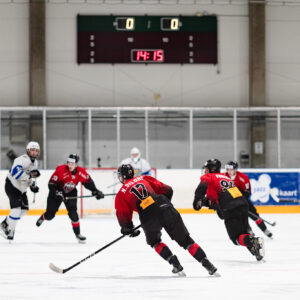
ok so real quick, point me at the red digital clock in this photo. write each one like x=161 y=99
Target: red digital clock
x=147 y=56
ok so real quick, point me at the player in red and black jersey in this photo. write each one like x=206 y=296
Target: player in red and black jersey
x=217 y=191
x=63 y=184
x=242 y=181
x=151 y=199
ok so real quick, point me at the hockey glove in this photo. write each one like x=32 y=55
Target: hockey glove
x=98 y=194
x=130 y=231
x=197 y=204
x=60 y=194
x=205 y=202
x=34 y=188
x=34 y=174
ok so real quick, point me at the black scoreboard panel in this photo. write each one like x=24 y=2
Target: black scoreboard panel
x=147 y=39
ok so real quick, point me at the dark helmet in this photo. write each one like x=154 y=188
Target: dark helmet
x=73 y=158
x=125 y=172
x=213 y=165
x=232 y=164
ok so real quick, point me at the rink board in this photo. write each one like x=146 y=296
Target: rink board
x=269 y=185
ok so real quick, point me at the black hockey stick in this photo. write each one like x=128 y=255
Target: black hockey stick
x=89 y=196
x=255 y=216
x=62 y=271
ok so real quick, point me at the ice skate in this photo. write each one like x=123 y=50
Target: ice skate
x=257 y=248
x=177 y=267
x=39 y=221
x=81 y=239
x=209 y=267
x=11 y=235
x=268 y=233
x=4 y=229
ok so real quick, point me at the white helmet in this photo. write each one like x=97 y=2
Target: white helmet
x=33 y=145
x=135 y=154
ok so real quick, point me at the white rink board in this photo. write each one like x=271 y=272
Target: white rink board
x=183 y=181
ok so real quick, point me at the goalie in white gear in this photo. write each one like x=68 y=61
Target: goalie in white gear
x=140 y=165
x=19 y=178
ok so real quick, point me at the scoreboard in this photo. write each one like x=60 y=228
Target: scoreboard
x=147 y=39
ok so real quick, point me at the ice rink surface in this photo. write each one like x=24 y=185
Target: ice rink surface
x=130 y=269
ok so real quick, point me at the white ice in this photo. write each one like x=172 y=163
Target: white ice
x=130 y=269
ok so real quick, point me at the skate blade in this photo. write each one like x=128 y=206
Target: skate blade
x=181 y=274
x=81 y=242
x=216 y=274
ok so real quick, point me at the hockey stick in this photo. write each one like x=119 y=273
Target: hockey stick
x=62 y=271
x=90 y=196
x=255 y=216
x=34 y=194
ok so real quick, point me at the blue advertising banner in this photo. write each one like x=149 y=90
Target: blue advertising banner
x=274 y=188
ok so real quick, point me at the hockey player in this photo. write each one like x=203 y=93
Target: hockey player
x=217 y=191
x=19 y=178
x=242 y=182
x=140 y=165
x=63 y=184
x=152 y=200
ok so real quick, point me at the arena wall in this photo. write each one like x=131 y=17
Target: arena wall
x=184 y=183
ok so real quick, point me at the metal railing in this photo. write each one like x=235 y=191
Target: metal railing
x=143 y=113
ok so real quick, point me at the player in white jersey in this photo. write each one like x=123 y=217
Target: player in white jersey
x=19 y=178
x=140 y=165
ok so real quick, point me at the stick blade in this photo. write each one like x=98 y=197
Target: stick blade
x=55 y=268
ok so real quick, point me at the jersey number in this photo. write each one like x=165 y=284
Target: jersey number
x=140 y=191
x=226 y=185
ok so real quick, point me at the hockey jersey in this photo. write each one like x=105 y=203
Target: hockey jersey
x=135 y=190
x=242 y=182
x=220 y=190
x=65 y=180
x=141 y=167
x=19 y=172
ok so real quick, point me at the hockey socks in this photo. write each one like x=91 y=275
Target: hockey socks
x=76 y=227
x=260 y=223
x=244 y=240
x=13 y=218
x=163 y=250
x=197 y=252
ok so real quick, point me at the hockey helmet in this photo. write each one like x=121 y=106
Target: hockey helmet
x=213 y=165
x=125 y=172
x=135 y=154
x=74 y=158
x=232 y=165
x=33 y=145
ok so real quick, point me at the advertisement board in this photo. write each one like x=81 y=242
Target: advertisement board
x=274 y=188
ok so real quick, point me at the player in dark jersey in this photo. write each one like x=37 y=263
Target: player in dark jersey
x=242 y=182
x=63 y=184
x=218 y=192
x=152 y=200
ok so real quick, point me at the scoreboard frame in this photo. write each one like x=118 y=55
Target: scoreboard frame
x=113 y=38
